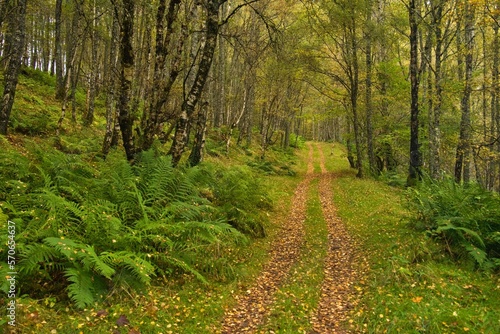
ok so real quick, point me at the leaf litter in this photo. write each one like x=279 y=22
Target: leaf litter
x=338 y=295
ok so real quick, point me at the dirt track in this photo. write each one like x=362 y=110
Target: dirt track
x=337 y=295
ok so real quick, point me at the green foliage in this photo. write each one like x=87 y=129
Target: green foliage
x=465 y=218
x=92 y=226
x=297 y=141
x=406 y=283
x=279 y=161
x=241 y=197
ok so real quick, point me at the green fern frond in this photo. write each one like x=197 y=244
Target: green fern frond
x=187 y=268
x=36 y=256
x=67 y=247
x=141 y=269
x=477 y=254
x=91 y=260
x=80 y=288
x=473 y=236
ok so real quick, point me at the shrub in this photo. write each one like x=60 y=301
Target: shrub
x=88 y=227
x=465 y=218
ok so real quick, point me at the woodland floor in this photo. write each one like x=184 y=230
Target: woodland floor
x=337 y=296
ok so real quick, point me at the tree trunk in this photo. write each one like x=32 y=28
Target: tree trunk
x=16 y=30
x=196 y=155
x=462 y=161
x=220 y=82
x=189 y=104
x=111 y=83
x=58 y=56
x=354 y=78
x=125 y=118
x=368 y=91
x=437 y=101
x=415 y=156
x=493 y=165
x=237 y=121
x=92 y=81
x=350 y=156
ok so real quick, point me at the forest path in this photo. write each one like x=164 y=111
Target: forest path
x=337 y=293
x=337 y=296
x=253 y=307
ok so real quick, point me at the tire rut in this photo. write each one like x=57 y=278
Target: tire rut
x=253 y=306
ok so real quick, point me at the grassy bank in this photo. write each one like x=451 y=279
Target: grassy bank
x=409 y=285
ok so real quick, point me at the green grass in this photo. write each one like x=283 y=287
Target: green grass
x=408 y=284
x=297 y=299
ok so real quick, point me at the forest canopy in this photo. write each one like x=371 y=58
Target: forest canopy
x=409 y=85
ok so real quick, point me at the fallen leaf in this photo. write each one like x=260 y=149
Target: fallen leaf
x=101 y=313
x=122 y=321
x=417 y=299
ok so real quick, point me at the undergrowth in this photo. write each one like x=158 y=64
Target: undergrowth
x=91 y=227
x=463 y=217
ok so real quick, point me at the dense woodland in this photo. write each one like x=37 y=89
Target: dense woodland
x=411 y=88
x=401 y=83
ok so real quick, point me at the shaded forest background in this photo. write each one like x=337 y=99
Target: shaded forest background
x=400 y=83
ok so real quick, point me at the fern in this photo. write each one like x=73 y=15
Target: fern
x=479 y=255
x=465 y=217
x=36 y=256
x=73 y=250
x=124 y=224
x=462 y=232
x=80 y=288
x=139 y=268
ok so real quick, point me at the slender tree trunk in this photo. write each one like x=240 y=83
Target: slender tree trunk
x=46 y=44
x=16 y=30
x=92 y=78
x=189 y=104
x=196 y=155
x=350 y=156
x=415 y=156
x=111 y=118
x=125 y=118
x=493 y=165
x=237 y=121
x=354 y=78
x=220 y=82
x=435 y=117
x=3 y=11
x=368 y=91
x=58 y=56
x=462 y=162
